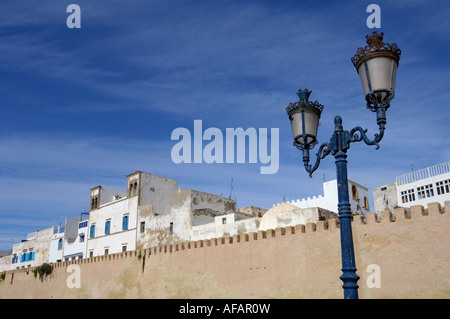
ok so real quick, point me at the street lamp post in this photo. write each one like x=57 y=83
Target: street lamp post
x=376 y=65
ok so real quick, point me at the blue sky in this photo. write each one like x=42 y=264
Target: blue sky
x=86 y=107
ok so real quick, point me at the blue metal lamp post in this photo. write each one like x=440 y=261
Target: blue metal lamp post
x=377 y=65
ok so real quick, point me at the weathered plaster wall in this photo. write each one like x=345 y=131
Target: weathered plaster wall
x=225 y=225
x=185 y=209
x=385 y=197
x=412 y=249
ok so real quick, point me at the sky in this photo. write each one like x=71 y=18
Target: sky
x=82 y=107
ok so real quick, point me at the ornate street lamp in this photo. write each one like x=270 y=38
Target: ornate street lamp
x=377 y=65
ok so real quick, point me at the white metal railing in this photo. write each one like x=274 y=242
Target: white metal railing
x=423 y=173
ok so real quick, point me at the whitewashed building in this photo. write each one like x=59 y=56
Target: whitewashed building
x=75 y=239
x=358 y=196
x=431 y=184
x=56 y=244
x=112 y=219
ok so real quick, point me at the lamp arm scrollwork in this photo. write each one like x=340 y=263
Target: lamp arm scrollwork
x=323 y=151
x=358 y=134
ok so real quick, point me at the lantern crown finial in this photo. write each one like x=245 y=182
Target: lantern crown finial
x=304 y=102
x=304 y=94
x=375 y=48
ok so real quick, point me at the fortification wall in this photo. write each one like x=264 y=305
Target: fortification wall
x=410 y=247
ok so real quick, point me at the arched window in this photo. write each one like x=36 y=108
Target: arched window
x=95 y=203
x=92 y=204
x=130 y=192
x=366 y=203
x=354 y=192
x=135 y=188
x=60 y=242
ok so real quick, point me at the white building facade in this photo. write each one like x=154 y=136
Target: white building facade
x=112 y=220
x=431 y=184
x=425 y=185
x=56 y=244
x=358 y=196
x=75 y=239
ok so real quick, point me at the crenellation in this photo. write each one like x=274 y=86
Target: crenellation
x=279 y=231
x=310 y=227
x=435 y=208
x=402 y=213
x=300 y=229
x=372 y=218
x=418 y=210
x=252 y=236
x=322 y=225
x=386 y=217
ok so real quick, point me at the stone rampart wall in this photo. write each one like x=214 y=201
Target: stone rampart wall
x=407 y=250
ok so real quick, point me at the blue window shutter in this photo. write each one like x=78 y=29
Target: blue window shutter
x=92 y=231
x=32 y=255
x=125 y=222
x=107 y=227
x=27 y=256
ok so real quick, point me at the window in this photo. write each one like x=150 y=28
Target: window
x=55 y=230
x=83 y=224
x=408 y=196
x=171 y=228
x=92 y=231
x=224 y=220
x=443 y=187
x=124 y=248
x=91 y=253
x=354 y=192
x=106 y=251
x=425 y=191
x=142 y=227
x=94 y=203
x=108 y=227
x=60 y=243
x=135 y=188
x=81 y=238
x=383 y=189
x=125 y=222
x=366 y=203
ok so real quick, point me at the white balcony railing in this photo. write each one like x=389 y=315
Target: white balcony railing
x=423 y=173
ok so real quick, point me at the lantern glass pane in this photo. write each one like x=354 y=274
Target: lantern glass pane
x=310 y=127
x=382 y=73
